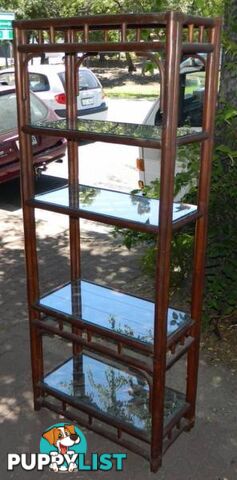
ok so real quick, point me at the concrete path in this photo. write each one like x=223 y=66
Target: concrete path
x=208 y=452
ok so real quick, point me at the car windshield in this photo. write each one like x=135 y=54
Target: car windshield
x=86 y=80
x=8 y=117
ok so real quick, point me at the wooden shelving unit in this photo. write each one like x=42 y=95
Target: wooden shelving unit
x=133 y=339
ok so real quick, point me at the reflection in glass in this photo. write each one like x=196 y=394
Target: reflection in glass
x=120 y=129
x=121 y=394
x=136 y=208
x=122 y=313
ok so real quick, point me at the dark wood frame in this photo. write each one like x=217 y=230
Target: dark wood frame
x=182 y=35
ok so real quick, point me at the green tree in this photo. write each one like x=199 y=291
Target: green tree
x=228 y=93
x=221 y=276
x=10 y=5
x=39 y=8
x=221 y=270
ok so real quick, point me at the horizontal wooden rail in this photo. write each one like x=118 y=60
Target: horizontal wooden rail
x=96 y=21
x=92 y=47
x=114 y=22
x=141 y=366
x=95 y=428
x=135 y=432
x=111 y=138
x=197 y=48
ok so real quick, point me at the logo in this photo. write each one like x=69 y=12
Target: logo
x=63 y=442
x=63 y=448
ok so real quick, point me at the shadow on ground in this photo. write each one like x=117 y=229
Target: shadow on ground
x=208 y=452
x=10 y=197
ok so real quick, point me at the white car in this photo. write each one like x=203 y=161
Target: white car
x=48 y=82
x=190 y=115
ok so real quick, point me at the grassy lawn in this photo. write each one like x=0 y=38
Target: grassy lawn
x=151 y=90
x=131 y=90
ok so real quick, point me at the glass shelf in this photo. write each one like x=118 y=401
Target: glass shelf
x=119 y=393
x=112 y=132
x=109 y=206
x=109 y=309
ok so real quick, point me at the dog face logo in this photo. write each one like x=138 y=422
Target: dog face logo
x=63 y=442
x=62 y=437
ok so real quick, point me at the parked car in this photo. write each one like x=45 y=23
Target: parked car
x=45 y=149
x=48 y=82
x=191 y=94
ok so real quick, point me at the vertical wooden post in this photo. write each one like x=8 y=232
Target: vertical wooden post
x=211 y=85
x=71 y=79
x=27 y=192
x=168 y=156
x=73 y=170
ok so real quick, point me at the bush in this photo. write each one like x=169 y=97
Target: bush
x=221 y=266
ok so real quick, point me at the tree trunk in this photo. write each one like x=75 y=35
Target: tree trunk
x=131 y=66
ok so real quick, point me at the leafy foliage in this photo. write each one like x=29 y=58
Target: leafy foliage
x=221 y=273
x=221 y=268
x=56 y=8
x=182 y=242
